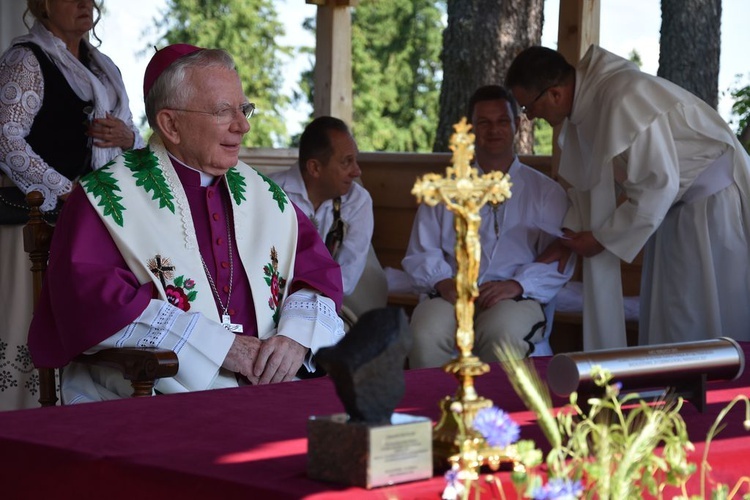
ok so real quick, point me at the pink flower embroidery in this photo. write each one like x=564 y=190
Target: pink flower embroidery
x=180 y=293
x=276 y=283
x=275 y=290
x=177 y=297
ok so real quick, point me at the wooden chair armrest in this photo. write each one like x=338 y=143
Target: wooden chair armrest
x=137 y=364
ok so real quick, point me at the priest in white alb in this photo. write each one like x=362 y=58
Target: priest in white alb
x=651 y=165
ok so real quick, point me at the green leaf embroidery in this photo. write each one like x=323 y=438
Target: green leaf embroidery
x=278 y=194
x=192 y=295
x=237 y=185
x=179 y=280
x=102 y=185
x=145 y=167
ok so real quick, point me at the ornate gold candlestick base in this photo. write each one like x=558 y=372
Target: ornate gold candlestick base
x=447 y=436
x=455 y=443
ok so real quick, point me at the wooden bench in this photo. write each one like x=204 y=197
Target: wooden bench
x=389 y=177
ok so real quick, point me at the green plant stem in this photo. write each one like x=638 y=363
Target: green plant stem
x=715 y=430
x=736 y=489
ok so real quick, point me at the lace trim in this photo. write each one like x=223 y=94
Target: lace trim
x=313 y=310
x=180 y=199
x=21 y=95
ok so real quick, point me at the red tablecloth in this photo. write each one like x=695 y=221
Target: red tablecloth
x=251 y=442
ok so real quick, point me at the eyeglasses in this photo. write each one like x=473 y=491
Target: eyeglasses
x=525 y=107
x=225 y=116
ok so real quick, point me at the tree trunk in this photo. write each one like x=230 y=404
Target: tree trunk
x=479 y=43
x=690 y=46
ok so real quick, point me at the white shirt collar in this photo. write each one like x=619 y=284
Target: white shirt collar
x=206 y=179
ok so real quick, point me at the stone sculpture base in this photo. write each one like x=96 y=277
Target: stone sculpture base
x=367 y=455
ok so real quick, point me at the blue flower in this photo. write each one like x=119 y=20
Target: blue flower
x=558 y=489
x=614 y=389
x=496 y=427
x=453 y=487
x=451 y=477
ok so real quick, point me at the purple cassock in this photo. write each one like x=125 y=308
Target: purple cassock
x=89 y=294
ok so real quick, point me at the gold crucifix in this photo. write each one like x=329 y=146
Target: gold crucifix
x=464 y=192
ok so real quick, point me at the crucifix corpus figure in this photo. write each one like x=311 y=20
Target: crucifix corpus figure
x=464 y=192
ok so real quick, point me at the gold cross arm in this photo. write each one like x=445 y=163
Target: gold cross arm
x=462 y=187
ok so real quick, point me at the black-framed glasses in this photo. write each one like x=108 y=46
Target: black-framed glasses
x=225 y=115
x=525 y=107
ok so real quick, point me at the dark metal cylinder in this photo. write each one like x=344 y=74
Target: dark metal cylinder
x=651 y=366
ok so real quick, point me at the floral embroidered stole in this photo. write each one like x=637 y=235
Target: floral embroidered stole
x=141 y=201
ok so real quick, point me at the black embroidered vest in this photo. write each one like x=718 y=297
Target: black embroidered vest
x=58 y=133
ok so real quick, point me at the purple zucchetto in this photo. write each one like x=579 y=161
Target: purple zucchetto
x=162 y=60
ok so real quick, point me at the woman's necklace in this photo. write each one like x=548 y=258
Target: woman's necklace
x=226 y=320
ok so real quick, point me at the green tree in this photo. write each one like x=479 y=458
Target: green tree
x=247 y=29
x=395 y=73
x=741 y=111
x=542 y=137
x=635 y=57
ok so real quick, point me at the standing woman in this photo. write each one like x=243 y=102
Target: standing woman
x=63 y=112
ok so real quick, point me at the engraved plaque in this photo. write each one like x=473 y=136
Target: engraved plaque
x=368 y=456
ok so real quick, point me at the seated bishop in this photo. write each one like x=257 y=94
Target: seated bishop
x=182 y=246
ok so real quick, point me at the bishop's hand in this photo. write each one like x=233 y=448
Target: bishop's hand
x=242 y=356
x=278 y=360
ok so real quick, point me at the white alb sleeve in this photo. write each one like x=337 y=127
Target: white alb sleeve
x=310 y=319
x=201 y=344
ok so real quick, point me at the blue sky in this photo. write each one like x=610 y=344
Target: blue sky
x=625 y=25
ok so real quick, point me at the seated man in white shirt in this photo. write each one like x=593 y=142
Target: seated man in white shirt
x=515 y=292
x=323 y=185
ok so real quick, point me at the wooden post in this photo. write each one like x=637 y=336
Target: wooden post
x=578 y=28
x=333 y=59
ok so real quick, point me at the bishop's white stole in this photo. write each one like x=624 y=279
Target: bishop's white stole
x=141 y=201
